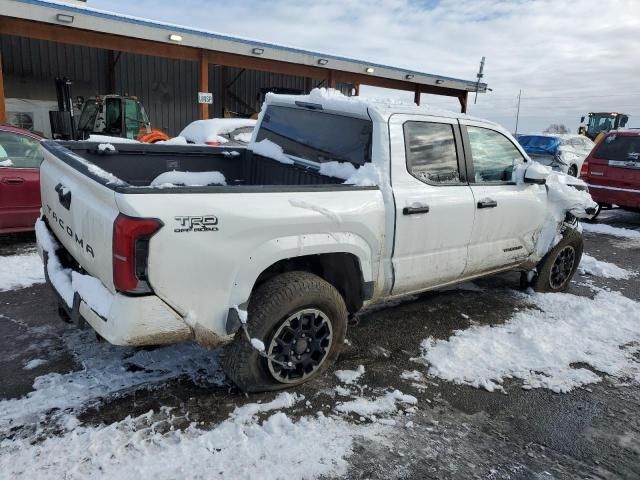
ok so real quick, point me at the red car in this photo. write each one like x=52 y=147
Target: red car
x=612 y=170
x=20 y=159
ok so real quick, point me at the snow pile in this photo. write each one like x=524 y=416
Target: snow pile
x=562 y=198
x=267 y=148
x=188 y=179
x=329 y=98
x=382 y=405
x=6 y=163
x=93 y=292
x=150 y=447
x=243 y=137
x=413 y=375
x=258 y=344
x=541 y=345
x=210 y=131
x=173 y=141
x=365 y=176
x=592 y=266
x=108 y=139
x=350 y=376
x=106 y=147
x=20 y=271
x=35 y=363
x=609 y=230
x=334 y=169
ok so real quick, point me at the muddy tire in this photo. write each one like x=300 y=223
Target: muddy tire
x=302 y=321
x=556 y=269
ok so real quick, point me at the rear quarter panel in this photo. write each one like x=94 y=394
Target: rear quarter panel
x=202 y=274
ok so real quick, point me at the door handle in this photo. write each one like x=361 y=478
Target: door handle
x=415 y=210
x=13 y=180
x=488 y=203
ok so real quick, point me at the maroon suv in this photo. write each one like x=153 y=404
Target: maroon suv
x=20 y=158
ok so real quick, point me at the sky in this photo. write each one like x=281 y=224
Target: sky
x=567 y=57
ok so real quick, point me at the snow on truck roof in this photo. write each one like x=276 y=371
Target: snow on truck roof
x=334 y=100
x=109 y=22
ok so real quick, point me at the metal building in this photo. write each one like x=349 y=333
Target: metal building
x=166 y=66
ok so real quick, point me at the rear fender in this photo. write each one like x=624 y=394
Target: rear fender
x=284 y=248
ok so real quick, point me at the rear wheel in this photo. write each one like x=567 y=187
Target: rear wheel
x=556 y=269
x=302 y=321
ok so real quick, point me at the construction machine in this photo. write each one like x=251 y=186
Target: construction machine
x=600 y=123
x=111 y=115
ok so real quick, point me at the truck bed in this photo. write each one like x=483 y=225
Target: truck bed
x=137 y=165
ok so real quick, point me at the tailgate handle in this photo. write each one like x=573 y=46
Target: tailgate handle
x=64 y=195
x=415 y=210
x=13 y=180
x=488 y=203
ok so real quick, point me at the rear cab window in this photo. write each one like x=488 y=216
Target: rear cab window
x=619 y=149
x=317 y=136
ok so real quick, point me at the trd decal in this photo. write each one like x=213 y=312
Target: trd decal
x=203 y=223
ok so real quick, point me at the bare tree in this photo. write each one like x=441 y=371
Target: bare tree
x=556 y=128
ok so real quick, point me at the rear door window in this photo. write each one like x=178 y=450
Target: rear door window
x=317 y=136
x=431 y=152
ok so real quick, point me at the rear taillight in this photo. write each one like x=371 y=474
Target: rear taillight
x=213 y=144
x=130 y=252
x=584 y=170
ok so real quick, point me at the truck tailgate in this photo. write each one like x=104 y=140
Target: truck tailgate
x=80 y=212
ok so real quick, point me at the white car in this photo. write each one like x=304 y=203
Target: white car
x=562 y=152
x=337 y=204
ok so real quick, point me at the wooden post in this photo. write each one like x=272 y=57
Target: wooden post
x=463 y=102
x=203 y=86
x=331 y=80
x=3 y=110
x=416 y=95
x=356 y=87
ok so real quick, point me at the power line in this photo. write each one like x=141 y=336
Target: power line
x=566 y=97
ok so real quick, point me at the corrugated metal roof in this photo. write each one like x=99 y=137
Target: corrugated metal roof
x=109 y=22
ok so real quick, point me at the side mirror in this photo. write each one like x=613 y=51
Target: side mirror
x=536 y=175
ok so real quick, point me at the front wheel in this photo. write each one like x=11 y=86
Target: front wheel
x=302 y=321
x=556 y=269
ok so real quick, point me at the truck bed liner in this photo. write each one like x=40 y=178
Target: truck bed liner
x=138 y=165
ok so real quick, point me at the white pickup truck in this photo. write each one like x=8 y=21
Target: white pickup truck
x=268 y=251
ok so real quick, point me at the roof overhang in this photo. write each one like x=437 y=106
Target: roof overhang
x=92 y=20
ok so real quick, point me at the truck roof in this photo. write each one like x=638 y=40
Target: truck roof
x=335 y=101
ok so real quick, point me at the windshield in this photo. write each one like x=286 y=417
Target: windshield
x=619 y=147
x=317 y=136
x=88 y=116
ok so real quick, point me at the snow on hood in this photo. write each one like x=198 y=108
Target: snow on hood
x=203 y=131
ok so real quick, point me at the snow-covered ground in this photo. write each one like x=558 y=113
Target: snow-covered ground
x=543 y=345
x=592 y=266
x=20 y=271
x=610 y=230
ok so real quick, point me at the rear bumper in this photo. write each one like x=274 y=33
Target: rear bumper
x=119 y=319
x=624 y=197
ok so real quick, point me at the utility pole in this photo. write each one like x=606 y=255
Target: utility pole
x=479 y=76
x=518 y=112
